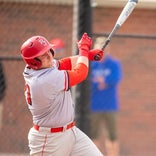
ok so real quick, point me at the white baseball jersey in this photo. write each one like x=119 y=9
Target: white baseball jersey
x=48 y=97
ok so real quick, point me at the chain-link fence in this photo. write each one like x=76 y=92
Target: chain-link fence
x=20 y=21
x=16 y=118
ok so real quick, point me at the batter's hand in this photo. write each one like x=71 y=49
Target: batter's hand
x=95 y=55
x=84 y=45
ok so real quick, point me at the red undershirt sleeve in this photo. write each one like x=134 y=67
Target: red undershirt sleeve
x=78 y=74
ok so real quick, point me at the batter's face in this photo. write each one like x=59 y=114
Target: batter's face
x=46 y=60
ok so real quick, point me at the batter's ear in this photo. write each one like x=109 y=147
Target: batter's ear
x=34 y=63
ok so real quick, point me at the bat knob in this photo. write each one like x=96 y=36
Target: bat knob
x=97 y=57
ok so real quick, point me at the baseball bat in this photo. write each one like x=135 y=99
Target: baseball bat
x=127 y=10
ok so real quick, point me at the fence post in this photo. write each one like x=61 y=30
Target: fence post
x=82 y=91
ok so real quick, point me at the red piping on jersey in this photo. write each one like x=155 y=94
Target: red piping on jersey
x=65 y=82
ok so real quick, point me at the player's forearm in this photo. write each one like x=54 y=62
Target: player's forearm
x=83 y=59
x=74 y=60
x=70 y=62
x=78 y=59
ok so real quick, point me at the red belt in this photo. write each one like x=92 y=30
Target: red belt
x=57 y=129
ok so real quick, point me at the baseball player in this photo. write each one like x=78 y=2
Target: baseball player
x=48 y=96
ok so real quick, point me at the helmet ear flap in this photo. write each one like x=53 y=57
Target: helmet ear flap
x=34 y=63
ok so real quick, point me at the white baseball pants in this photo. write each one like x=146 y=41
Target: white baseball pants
x=72 y=142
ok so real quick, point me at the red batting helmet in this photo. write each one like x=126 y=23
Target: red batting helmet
x=34 y=47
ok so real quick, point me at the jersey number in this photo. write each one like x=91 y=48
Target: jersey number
x=27 y=94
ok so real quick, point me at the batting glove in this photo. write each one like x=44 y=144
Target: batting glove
x=95 y=55
x=84 y=45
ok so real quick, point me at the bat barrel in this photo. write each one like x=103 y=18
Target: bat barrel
x=121 y=19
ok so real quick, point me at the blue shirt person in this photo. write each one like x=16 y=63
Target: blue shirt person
x=105 y=78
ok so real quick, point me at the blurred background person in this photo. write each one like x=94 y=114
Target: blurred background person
x=105 y=78
x=2 y=92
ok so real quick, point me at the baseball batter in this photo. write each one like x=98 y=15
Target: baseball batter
x=47 y=92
